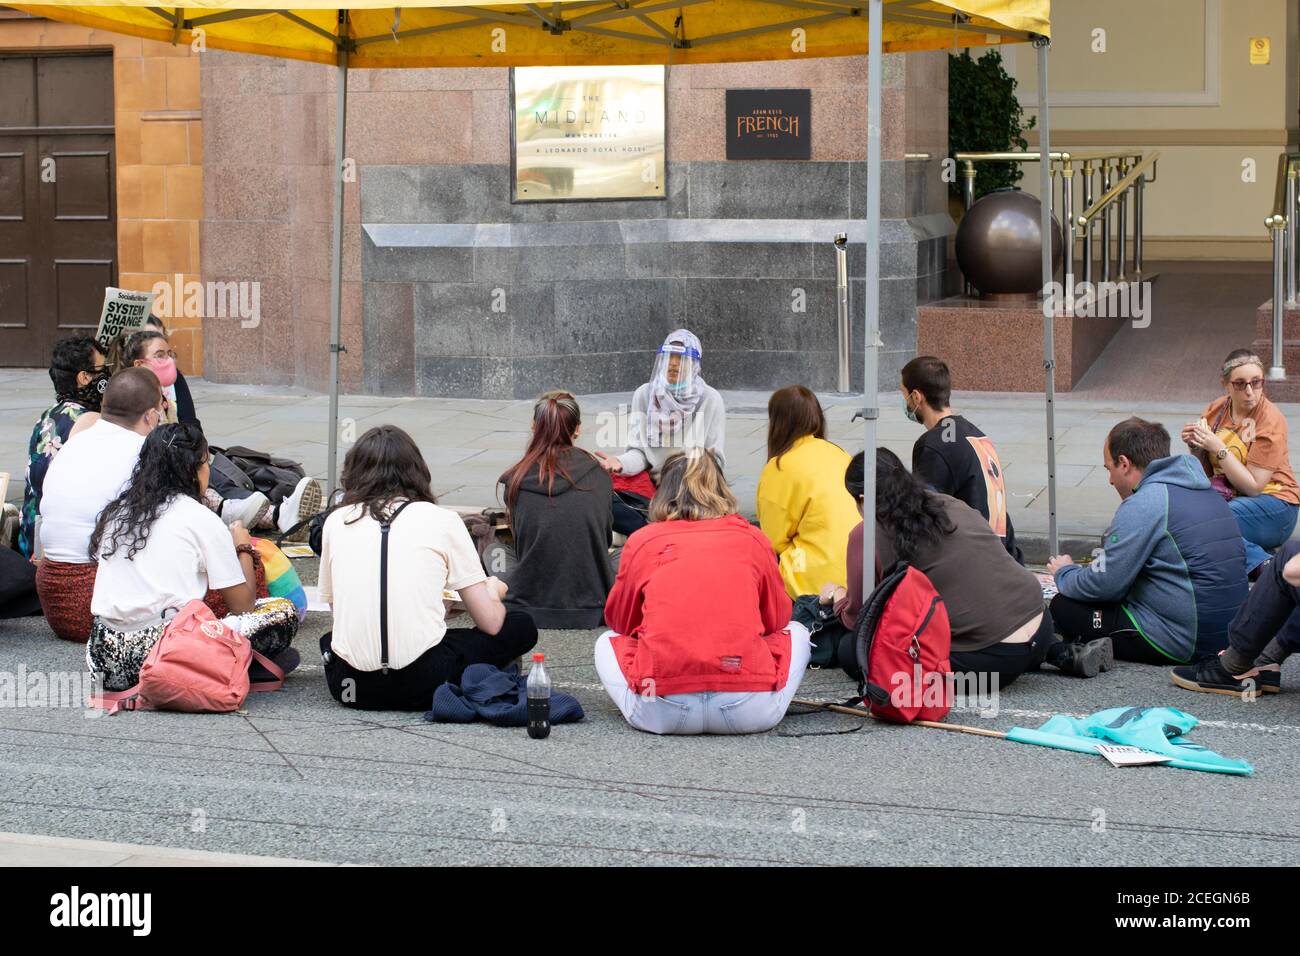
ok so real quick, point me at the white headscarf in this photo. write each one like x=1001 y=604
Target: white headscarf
x=671 y=406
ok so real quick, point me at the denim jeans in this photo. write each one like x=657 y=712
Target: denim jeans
x=708 y=712
x=1265 y=522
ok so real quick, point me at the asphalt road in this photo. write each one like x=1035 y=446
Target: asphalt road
x=297 y=776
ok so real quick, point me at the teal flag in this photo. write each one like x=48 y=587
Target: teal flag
x=1159 y=730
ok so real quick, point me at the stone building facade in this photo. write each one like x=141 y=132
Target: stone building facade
x=432 y=241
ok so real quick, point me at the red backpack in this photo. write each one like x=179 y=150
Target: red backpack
x=199 y=665
x=902 y=642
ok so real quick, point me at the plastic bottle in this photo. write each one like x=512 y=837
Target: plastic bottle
x=539 y=699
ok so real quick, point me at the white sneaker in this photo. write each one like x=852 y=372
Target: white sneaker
x=299 y=506
x=248 y=510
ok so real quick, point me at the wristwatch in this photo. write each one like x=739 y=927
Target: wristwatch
x=1221 y=454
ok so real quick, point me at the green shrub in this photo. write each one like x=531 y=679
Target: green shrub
x=984 y=116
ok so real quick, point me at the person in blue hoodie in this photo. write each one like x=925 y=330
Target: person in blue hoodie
x=1170 y=574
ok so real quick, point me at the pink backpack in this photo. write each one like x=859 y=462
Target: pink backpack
x=199 y=665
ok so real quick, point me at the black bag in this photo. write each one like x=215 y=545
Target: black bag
x=824 y=628
x=274 y=477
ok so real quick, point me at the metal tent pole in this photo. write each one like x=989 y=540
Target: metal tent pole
x=1049 y=306
x=336 y=264
x=871 y=354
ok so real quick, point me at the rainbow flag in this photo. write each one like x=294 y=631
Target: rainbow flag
x=282 y=580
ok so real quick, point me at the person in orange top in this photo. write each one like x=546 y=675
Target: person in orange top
x=1241 y=441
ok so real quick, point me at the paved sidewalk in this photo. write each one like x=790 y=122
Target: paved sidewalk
x=469 y=443
x=24 y=849
x=295 y=776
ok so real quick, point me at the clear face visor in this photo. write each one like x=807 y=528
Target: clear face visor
x=677 y=366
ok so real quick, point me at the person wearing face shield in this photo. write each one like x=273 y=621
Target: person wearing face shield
x=675 y=410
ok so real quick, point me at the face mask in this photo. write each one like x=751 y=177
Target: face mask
x=165 y=369
x=676 y=386
x=909 y=411
x=91 y=394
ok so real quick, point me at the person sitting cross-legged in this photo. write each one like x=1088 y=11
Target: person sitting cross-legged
x=1171 y=573
x=93 y=469
x=701 y=641
x=953 y=456
x=159 y=549
x=390 y=646
x=1263 y=634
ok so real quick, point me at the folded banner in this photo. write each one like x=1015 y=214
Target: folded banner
x=1158 y=730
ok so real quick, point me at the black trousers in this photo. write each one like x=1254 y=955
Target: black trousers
x=17 y=585
x=1005 y=662
x=1079 y=621
x=626 y=518
x=1270 y=610
x=411 y=687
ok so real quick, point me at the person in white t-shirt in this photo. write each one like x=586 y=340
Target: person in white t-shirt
x=386 y=480
x=160 y=548
x=78 y=485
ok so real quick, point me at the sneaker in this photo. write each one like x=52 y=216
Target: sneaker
x=1209 y=677
x=298 y=507
x=1087 y=660
x=249 y=510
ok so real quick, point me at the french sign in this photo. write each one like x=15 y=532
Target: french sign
x=769 y=124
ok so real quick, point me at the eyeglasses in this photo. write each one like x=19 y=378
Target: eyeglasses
x=1254 y=384
x=163 y=355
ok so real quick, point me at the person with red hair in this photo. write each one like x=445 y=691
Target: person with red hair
x=559 y=501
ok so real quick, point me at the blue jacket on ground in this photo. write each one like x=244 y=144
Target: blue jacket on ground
x=498 y=696
x=1173 y=559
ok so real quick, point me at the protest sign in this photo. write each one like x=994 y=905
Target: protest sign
x=123 y=309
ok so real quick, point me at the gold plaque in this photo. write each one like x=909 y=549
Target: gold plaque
x=587 y=132
x=1259 y=51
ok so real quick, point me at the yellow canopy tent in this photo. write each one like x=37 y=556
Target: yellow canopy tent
x=373 y=33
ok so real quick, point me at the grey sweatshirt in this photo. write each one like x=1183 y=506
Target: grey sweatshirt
x=706 y=428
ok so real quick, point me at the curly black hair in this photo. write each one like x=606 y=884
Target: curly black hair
x=169 y=466
x=909 y=514
x=71 y=355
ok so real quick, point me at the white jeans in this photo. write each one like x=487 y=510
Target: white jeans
x=706 y=712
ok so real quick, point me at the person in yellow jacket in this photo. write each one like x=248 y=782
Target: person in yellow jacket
x=803 y=507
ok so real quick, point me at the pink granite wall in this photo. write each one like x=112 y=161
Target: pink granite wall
x=268 y=192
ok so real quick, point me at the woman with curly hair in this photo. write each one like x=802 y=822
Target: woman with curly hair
x=160 y=548
x=995 y=606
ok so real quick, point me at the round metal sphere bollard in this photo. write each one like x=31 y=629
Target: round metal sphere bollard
x=999 y=244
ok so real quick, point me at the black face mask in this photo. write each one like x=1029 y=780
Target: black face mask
x=91 y=394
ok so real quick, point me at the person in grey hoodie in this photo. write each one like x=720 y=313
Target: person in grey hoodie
x=559 y=503
x=1170 y=574
x=674 y=411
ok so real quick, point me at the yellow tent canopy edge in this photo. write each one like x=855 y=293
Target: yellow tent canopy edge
x=570 y=32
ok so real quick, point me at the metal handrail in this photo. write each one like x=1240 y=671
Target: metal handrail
x=1130 y=170
x=1116 y=191
x=1027 y=157
x=1284 y=211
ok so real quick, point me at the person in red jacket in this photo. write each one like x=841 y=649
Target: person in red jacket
x=701 y=641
